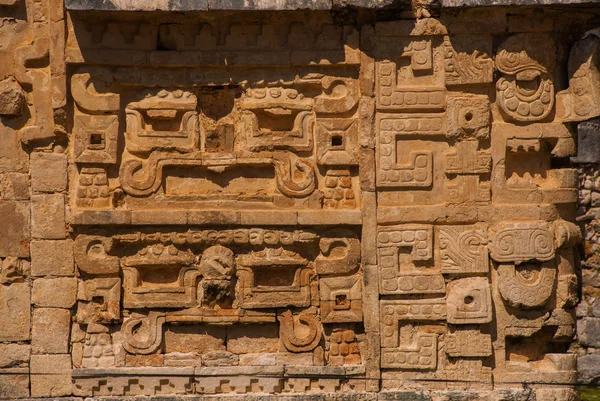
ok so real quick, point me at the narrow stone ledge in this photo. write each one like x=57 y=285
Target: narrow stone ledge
x=292 y=5
x=136 y=5
x=500 y=395
x=521 y=3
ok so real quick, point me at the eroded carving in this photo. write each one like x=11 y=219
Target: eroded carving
x=290 y=334
x=526 y=91
x=142 y=334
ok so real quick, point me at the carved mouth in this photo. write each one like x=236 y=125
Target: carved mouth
x=529 y=89
x=162 y=122
x=276 y=120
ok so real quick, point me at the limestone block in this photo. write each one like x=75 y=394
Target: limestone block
x=14 y=355
x=588 y=368
x=14 y=240
x=14 y=186
x=52 y=258
x=15 y=316
x=588 y=332
x=219 y=358
x=178 y=359
x=194 y=338
x=244 y=339
x=14 y=383
x=13 y=158
x=144 y=360
x=259 y=359
x=48 y=172
x=48 y=216
x=51 y=375
x=50 y=333
x=54 y=292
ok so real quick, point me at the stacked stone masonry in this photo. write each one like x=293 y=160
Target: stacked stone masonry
x=352 y=200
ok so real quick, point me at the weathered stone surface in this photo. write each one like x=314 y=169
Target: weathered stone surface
x=14 y=355
x=13 y=158
x=588 y=332
x=13 y=385
x=588 y=368
x=588 y=150
x=48 y=172
x=51 y=375
x=294 y=199
x=15 y=317
x=54 y=292
x=194 y=339
x=16 y=229
x=12 y=97
x=14 y=186
x=52 y=258
x=488 y=3
x=48 y=216
x=253 y=338
x=203 y=5
x=50 y=331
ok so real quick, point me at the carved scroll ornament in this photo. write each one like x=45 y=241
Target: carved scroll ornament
x=289 y=332
x=143 y=334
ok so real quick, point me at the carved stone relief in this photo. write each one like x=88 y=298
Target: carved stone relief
x=226 y=203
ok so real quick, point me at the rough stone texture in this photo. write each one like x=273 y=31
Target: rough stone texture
x=280 y=199
x=491 y=3
x=588 y=311
x=50 y=375
x=194 y=339
x=588 y=368
x=48 y=216
x=12 y=97
x=14 y=312
x=52 y=258
x=14 y=385
x=205 y=5
x=48 y=172
x=50 y=331
x=15 y=186
x=54 y=292
x=14 y=240
x=14 y=355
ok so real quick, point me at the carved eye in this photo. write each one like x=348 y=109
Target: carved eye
x=337 y=140
x=341 y=299
x=96 y=140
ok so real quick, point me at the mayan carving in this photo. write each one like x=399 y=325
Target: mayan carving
x=303 y=199
x=525 y=91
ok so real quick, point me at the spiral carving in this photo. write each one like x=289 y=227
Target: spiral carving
x=295 y=178
x=143 y=334
x=140 y=178
x=299 y=343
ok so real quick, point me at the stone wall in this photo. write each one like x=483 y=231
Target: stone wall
x=588 y=311
x=369 y=199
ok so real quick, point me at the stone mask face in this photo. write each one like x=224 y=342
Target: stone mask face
x=525 y=92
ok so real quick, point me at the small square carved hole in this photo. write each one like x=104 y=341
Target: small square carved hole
x=96 y=140
x=341 y=301
x=337 y=141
